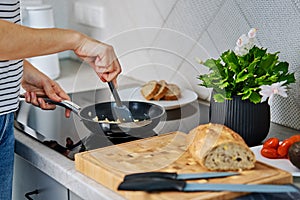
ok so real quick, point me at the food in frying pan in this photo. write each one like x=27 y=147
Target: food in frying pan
x=106 y=120
x=160 y=90
x=217 y=147
x=96 y=119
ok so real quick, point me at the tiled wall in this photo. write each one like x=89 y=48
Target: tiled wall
x=161 y=39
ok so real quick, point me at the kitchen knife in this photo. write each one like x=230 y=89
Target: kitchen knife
x=175 y=176
x=161 y=184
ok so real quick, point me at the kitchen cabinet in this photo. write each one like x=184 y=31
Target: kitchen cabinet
x=28 y=179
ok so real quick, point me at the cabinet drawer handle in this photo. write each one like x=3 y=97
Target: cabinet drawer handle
x=28 y=194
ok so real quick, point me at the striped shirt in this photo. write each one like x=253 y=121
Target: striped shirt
x=11 y=71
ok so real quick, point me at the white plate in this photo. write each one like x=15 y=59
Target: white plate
x=283 y=164
x=134 y=94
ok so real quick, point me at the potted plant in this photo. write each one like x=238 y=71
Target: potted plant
x=242 y=80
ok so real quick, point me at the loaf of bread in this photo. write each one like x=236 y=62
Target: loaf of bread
x=218 y=148
x=150 y=89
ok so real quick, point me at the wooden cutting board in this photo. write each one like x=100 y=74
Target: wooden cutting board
x=167 y=152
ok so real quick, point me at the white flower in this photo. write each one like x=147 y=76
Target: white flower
x=252 y=33
x=240 y=51
x=268 y=91
x=245 y=43
x=243 y=40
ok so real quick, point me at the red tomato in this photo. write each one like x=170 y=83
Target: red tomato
x=295 y=138
x=284 y=147
x=269 y=153
x=271 y=143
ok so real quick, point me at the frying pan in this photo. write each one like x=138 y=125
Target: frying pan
x=146 y=116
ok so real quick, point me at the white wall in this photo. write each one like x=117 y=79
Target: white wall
x=160 y=39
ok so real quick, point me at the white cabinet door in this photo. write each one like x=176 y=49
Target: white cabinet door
x=27 y=178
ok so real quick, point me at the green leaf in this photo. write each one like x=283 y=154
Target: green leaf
x=231 y=60
x=242 y=76
x=247 y=94
x=268 y=61
x=281 y=67
x=263 y=80
x=215 y=66
x=255 y=97
x=273 y=78
x=252 y=65
x=211 y=64
x=289 y=78
x=219 y=97
x=258 y=52
x=224 y=84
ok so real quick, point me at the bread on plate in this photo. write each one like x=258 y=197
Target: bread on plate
x=150 y=89
x=160 y=90
x=173 y=93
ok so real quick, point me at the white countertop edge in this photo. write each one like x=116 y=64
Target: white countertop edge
x=60 y=169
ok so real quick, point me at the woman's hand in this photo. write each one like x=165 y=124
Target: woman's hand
x=38 y=84
x=101 y=57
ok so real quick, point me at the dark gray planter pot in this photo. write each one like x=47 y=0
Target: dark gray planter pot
x=251 y=121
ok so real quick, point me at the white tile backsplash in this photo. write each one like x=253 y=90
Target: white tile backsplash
x=134 y=39
x=193 y=16
x=228 y=25
x=147 y=72
x=133 y=60
x=191 y=68
x=171 y=47
x=165 y=7
x=122 y=16
x=207 y=44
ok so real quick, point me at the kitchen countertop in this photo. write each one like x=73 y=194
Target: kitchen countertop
x=61 y=168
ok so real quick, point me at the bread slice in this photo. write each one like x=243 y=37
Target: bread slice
x=173 y=92
x=217 y=147
x=162 y=90
x=150 y=89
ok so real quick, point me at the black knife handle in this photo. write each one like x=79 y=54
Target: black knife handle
x=152 y=185
x=166 y=175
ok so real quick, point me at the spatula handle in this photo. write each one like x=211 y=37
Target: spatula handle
x=115 y=94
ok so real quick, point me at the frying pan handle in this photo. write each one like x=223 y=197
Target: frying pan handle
x=65 y=103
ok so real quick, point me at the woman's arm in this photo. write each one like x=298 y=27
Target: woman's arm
x=20 y=42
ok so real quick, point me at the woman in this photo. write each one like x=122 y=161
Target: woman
x=18 y=43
